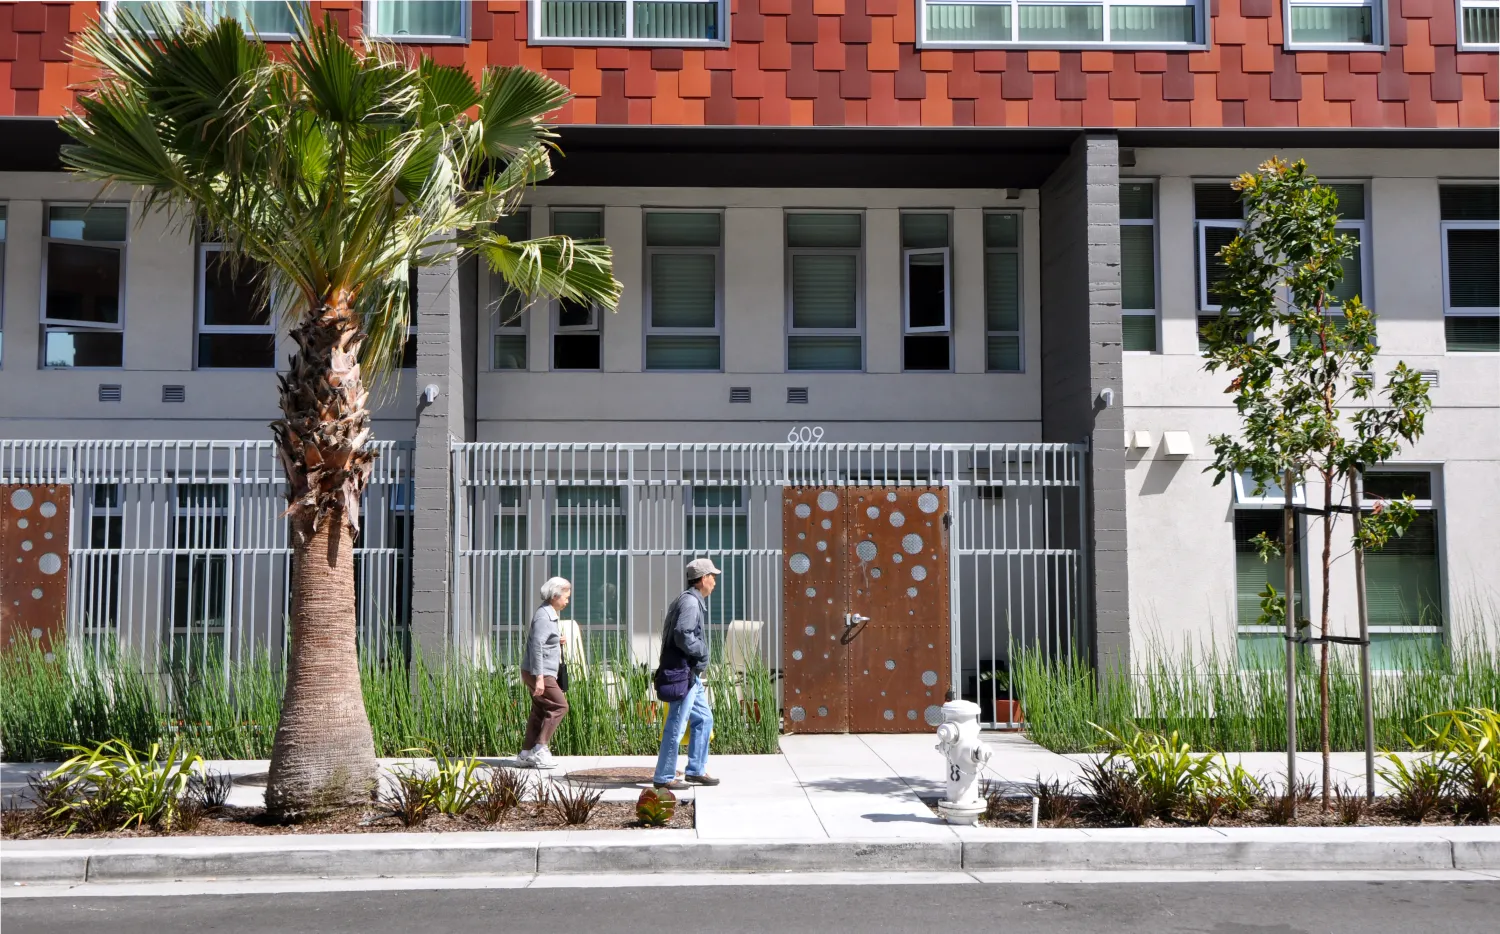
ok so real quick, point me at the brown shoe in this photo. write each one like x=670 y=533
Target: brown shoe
x=708 y=780
x=675 y=784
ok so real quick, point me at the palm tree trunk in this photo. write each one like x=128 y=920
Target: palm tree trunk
x=324 y=755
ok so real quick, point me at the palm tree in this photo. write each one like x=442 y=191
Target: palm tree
x=329 y=171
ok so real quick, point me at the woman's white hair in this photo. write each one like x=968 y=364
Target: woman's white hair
x=553 y=587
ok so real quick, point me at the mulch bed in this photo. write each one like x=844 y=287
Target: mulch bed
x=1016 y=813
x=237 y=822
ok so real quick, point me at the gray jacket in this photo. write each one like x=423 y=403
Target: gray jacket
x=683 y=631
x=543 y=643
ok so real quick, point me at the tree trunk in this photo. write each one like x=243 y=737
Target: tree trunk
x=1323 y=632
x=1289 y=566
x=324 y=754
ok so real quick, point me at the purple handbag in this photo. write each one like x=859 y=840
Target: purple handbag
x=673 y=684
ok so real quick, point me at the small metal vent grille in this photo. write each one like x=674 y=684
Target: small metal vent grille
x=739 y=393
x=1430 y=377
x=796 y=395
x=109 y=392
x=173 y=394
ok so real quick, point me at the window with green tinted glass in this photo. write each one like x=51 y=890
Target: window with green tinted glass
x=506 y=307
x=1471 y=266
x=1320 y=23
x=645 y=22
x=684 y=256
x=1138 y=265
x=1352 y=223
x=265 y=18
x=1219 y=215
x=418 y=20
x=824 y=274
x=1002 y=291
x=1403 y=580
x=1479 y=24
x=587 y=546
x=962 y=23
x=718 y=528
x=1251 y=573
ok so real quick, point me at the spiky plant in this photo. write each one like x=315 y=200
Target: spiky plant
x=328 y=171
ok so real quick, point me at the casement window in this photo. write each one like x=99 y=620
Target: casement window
x=927 y=290
x=1403 y=580
x=630 y=22
x=507 y=306
x=1138 y=321
x=684 y=290
x=1479 y=24
x=1334 y=24
x=200 y=539
x=1002 y=291
x=409 y=346
x=425 y=21
x=235 y=330
x=718 y=528
x=1219 y=214
x=825 y=272
x=576 y=326
x=1471 y=266
x=1062 y=23
x=83 y=285
x=588 y=548
x=268 y=19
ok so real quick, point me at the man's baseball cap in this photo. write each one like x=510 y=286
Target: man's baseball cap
x=700 y=566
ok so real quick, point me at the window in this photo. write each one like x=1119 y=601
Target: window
x=3 y=213
x=83 y=293
x=200 y=538
x=412 y=21
x=1352 y=223
x=824 y=295
x=684 y=257
x=1002 y=292
x=509 y=307
x=926 y=299
x=588 y=541
x=99 y=567
x=718 y=528
x=234 y=322
x=576 y=325
x=513 y=601
x=265 y=18
x=1471 y=271
x=1261 y=646
x=1219 y=216
x=1479 y=24
x=409 y=346
x=1061 y=23
x=630 y=22
x=1403 y=580
x=1138 y=265
x=1334 y=23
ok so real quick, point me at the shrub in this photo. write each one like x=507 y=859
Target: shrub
x=655 y=807
x=1349 y=804
x=114 y=786
x=500 y=794
x=1055 y=799
x=1114 y=796
x=211 y=789
x=1418 y=788
x=1165 y=769
x=573 y=802
x=408 y=797
x=1467 y=747
x=1282 y=802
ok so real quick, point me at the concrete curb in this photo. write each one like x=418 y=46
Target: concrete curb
x=352 y=856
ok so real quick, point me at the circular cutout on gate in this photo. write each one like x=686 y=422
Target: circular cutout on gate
x=828 y=501
x=928 y=502
x=21 y=499
x=918 y=573
x=866 y=551
x=897 y=520
x=803 y=510
x=798 y=715
x=799 y=563
x=911 y=543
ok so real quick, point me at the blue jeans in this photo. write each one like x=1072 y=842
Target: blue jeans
x=692 y=712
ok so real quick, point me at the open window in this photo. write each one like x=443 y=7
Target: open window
x=235 y=330
x=1219 y=215
x=577 y=326
x=927 y=292
x=507 y=306
x=83 y=290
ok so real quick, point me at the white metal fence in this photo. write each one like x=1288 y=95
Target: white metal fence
x=621 y=520
x=178 y=550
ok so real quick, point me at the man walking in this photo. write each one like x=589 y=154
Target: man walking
x=683 y=643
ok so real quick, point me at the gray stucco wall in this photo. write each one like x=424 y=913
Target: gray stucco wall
x=1081 y=358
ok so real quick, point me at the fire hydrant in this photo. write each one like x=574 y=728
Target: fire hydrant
x=958 y=741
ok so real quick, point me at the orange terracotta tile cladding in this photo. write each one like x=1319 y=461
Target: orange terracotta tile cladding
x=855 y=63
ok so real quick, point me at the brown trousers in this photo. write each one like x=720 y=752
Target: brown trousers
x=547 y=710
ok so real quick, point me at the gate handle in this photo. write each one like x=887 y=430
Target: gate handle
x=854 y=624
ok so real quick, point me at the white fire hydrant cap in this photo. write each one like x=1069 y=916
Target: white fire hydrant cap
x=955 y=711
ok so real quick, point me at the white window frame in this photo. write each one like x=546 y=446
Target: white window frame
x=859 y=290
x=1203 y=227
x=372 y=27
x=1154 y=312
x=204 y=8
x=494 y=291
x=906 y=256
x=1367 y=504
x=4 y=228
x=596 y=319
x=1199 y=41
x=1020 y=252
x=1378 y=30
x=1464 y=45
x=201 y=309
x=629 y=39
x=67 y=325
x=718 y=254
x=1273 y=497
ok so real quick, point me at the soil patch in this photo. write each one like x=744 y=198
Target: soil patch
x=1016 y=812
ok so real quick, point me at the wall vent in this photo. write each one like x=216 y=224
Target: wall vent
x=739 y=393
x=109 y=392
x=174 y=394
x=796 y=395
x=1430 y=377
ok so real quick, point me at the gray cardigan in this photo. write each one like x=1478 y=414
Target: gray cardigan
x=543 y=643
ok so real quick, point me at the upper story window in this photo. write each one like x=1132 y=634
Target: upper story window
x=83 y=285
x=1138 y=265
x=684 y=290
x=824 y=274
x=508 y=309
x=1334 y=24
x=3 y=213
x=1479 y=24
x=1218 y=215
x=629 y=22
x=927 y=290
x=424 y=21
x=1471 y=266
x=1062 y=23
x=1002 y=291
x=235 y=330
x=577 y=325
x=269 y=19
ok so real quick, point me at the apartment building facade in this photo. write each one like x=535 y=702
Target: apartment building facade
x=909 y=332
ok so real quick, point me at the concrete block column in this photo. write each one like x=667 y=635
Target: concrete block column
x=1081 y=360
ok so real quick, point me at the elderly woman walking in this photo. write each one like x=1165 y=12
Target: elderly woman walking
x=544 y=645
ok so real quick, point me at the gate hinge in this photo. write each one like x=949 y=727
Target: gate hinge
x=947 y=521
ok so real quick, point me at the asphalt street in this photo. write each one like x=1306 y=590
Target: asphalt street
x=1424 y=907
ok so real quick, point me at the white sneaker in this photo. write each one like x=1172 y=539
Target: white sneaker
x=541 y=758
x=524 y=756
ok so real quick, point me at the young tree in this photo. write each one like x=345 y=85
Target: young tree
x=331 y=170
x=1299 y=357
